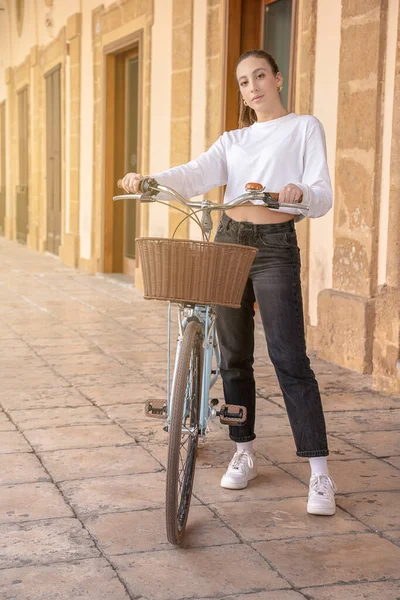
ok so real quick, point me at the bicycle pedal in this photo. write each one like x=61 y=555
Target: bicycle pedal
x=157 y=409
x=232 y=414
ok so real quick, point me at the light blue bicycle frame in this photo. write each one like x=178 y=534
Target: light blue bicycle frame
x=210 y=370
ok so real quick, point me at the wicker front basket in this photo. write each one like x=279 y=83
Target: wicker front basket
x=195 y=272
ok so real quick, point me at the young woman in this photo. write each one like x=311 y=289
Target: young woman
x=286 y=153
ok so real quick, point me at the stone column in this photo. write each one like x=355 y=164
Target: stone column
x=70 y=248
x=386 y=347
x=346 y=312
x=181 y=101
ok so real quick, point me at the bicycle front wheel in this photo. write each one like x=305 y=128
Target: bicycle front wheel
x=184 y=432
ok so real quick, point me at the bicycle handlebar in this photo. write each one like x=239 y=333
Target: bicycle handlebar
x=149 y=188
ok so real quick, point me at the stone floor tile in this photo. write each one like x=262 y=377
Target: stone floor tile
x=13 y=441
x=31 y=501
x=44 y=542
x=21 y=468
x=361 y=401
x=124 y=393
x=379 y=510
x=275 y=595
x=124 y=375
x=378 y=443
x=282 y=449
x=98 y=462
x=365 y=421
x=394 y=460
x=145 y=530
x=38 y=378
x=5 y=423
x=354 y=475
x=280 y=519
x=113 y=494
x=334 y=559
x=80 y=436
x=387 y=590
x=393 y=536
x=210 y=454
x=271 y=483
x=74 y=580
x=213 y=572
x=134 y=421
x=72 y=349
x=49 y=398
x=42 y=418
x=265 y=407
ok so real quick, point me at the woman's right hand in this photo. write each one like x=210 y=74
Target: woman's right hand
x=131 y=182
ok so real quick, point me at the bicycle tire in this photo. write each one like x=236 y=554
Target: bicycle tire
x=185 y=407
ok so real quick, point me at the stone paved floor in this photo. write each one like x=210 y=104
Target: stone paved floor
x=82 y=471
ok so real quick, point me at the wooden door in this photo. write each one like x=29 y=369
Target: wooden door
x=131 y=155
x=121 y=222
x=53 y=159
x=2 y=166
x=22 y=196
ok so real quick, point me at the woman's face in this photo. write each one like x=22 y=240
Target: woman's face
x=257 y=83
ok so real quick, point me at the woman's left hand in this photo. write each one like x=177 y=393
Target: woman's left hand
x=290 y=194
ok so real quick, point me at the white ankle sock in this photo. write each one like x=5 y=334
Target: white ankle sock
x=319 y=465
x=245 y=446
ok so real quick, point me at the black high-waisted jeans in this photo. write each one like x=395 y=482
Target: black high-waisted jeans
x=274 y=282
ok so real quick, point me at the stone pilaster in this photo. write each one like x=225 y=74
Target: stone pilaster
x=34 y=157
x=215 y=60
x=346 y=312
x=181 y=100
x=70 y=248
x=11 y=152
x=304 y=95
x=386 y=346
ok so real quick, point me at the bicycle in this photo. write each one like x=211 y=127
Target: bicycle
x=189 y=407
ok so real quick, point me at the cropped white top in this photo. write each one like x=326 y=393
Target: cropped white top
x=289 y=149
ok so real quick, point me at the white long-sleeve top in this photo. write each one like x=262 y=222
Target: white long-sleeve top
x=290 y=149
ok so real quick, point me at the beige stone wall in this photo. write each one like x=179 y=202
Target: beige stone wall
x=325 y=108
x=346 y=312
x=304 y=96
x=70 y=249
x=160 y=110
x=215 y=69
x=181 y=101
x=386 y=345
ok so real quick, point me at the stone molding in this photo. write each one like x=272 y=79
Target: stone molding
x=133 y=18
x=181 y=98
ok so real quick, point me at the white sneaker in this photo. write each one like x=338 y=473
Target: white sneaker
x=321 y=497
x=241 y=470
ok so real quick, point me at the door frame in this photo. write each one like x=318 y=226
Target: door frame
x=113 y=213
x=53 y=250
x=245 y=25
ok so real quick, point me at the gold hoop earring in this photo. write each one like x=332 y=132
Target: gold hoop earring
x=244 y=102
x=280 y=88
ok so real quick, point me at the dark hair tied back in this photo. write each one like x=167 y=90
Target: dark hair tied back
x=247 y=116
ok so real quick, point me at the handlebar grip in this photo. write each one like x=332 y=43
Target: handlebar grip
x=275 y=196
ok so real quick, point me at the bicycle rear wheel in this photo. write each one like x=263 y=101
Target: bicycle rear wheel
x=183 y=432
